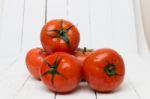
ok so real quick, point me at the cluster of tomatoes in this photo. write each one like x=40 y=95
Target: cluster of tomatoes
x=61 y=65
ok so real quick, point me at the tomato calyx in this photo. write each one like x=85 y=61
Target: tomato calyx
x=110 y=69
x=84 y=50
x=62 y=33
x=41 y=50
x=53 y=69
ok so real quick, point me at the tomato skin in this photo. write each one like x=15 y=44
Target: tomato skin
x=95 y=70
x=34 y=59
x=81 y=55
x=52 y=42
x=69 y=73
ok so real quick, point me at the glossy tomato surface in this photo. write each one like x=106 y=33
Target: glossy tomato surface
x=61 y=72
x=34 y=59
x=81 y=55
x=104 y=70
x=59 y=35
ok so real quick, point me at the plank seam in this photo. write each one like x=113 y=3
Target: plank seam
x=22 y=28
x=55 y=95
x=10 y=65
x=46 y=11
x=67 y=9
x=89 y=12
x=136 y=92
x=22 y=86
x=96 y=94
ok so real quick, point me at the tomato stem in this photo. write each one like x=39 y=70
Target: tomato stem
x=62 y=33
x=53 y=69
x=84 y=49
x=110 y=69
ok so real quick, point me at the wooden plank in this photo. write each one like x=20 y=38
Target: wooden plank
x=137 y=71
x=34 y=20
x=124 y=32
x=56 y=9
x=79 y=14
x=10 y=31
x=1 y=12
x=13 y=80
x=33 y=89
x=101 y=24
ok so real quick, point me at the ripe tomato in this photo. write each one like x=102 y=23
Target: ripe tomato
x=34 y=58
x=59 y=35
x=104 y=70
x=81 y=55
x=61 y=72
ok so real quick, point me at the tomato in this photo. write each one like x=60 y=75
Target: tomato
x=104 y=70
x=61 y=72
x=34 y=59
x=59 y=35
x=81 y=55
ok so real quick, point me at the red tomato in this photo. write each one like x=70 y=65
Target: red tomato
x=34 y=58
x=59 y=35
x=104 y=70
x=61 y=72
x=81 y=55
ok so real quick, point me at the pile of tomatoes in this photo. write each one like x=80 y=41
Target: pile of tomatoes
x=61 y=65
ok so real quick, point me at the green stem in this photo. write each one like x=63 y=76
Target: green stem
x=62 y=33
x=110 y=69
x=53 y=69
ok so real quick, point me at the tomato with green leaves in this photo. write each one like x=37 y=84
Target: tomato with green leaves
x=59 y=35
x=104 y=70
x=61 y=72
x=34 y=59
x=81 y=55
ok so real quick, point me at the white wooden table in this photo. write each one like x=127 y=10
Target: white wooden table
x=102 y=23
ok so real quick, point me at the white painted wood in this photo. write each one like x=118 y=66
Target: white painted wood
x=137 y=72
x=101 y=24
x=124 y=32
x=10 y=31
x=79 y=14
x=1 y=12
x=33 y=21
x=14 y=79
x=56 y=9
x=34 y=89
x=82 y=92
